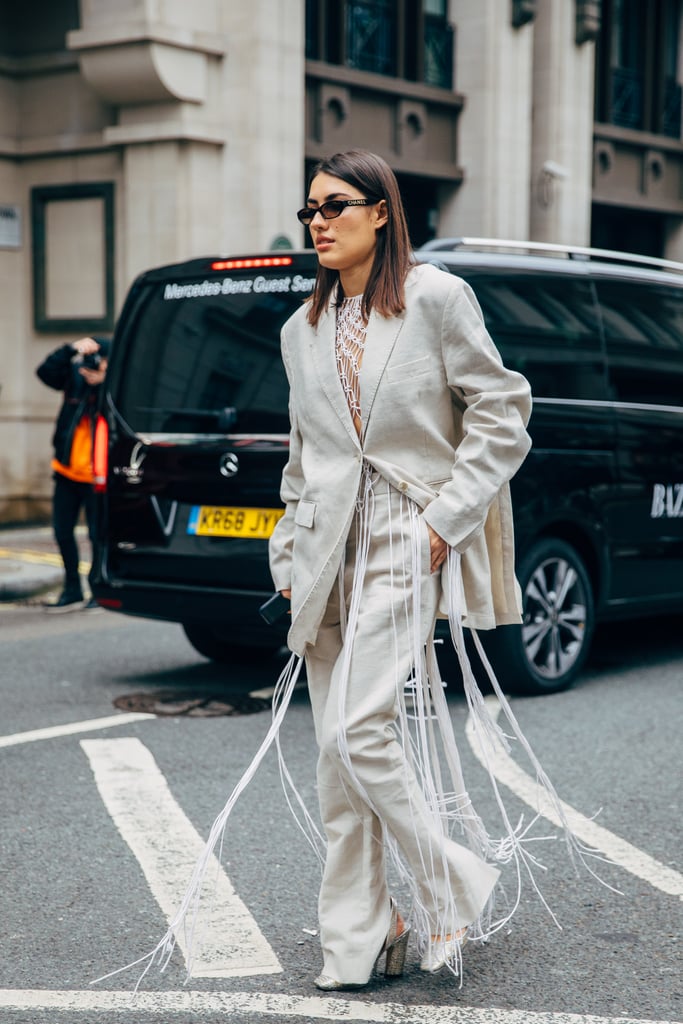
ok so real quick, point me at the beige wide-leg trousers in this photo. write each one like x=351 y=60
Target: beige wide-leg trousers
x=381 y=792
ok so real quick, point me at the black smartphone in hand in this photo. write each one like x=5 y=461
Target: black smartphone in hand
x=274 y=608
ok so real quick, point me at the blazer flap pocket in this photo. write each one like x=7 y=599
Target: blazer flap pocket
x=401 y=371
x=305 y=513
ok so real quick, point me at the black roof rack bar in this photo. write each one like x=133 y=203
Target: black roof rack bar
x=552 y=249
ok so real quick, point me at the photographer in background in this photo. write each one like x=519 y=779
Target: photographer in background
x=78 y=370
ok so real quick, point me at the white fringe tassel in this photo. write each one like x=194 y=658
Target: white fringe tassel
x=489 y=735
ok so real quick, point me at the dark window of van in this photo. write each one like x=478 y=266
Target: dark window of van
x=643 y=324
x=189 y=359
x=546 y=327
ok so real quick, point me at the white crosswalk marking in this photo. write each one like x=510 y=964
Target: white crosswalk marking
x=227 y=1005
x=167 y=846
x=615 y=849
x=72 y=728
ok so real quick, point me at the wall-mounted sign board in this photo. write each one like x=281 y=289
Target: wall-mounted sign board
x=10 y=226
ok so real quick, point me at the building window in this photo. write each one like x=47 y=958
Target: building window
x=27 y=30
x=627 y=64
x=438 y=44
x=409 y=39
x=312 y=30
x=637 y=81
x=671 y=88
x=371 y=36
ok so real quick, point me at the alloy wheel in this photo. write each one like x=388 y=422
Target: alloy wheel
x=555 y=610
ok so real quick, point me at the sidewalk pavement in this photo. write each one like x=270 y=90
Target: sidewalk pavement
x=30 y=563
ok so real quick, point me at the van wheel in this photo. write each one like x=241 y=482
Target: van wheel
x=208 y=642
x=546 y=653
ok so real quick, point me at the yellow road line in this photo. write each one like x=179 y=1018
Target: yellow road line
x=40 y=558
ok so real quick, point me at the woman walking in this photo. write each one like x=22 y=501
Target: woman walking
x=406 y=429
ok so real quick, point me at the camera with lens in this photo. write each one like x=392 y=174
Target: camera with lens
x=92 y=361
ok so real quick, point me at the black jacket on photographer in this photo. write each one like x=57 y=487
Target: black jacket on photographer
x=61 y=371
x=77 y=370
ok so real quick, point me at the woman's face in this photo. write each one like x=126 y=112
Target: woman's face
x=345 y=243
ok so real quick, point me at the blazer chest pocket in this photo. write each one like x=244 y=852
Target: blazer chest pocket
x=305 y=513
x=406 y=371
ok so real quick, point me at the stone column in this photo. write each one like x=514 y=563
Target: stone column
x=159 y=70
x=493 y=63
x=263 y=102
x=562 y=136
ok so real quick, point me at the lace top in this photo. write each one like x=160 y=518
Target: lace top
x=349 y=347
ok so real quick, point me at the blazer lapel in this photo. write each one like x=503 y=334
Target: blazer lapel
x=379 y=343
x=324 y=360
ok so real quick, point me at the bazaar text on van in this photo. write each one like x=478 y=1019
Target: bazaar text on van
x=667 y=501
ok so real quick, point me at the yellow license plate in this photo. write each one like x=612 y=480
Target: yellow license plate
x=218 y=521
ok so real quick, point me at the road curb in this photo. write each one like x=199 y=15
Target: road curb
x=19 y=580
x=30 y=563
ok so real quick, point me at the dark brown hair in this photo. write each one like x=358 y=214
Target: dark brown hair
x=372 y=176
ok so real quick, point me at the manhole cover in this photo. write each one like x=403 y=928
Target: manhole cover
x=192 y=704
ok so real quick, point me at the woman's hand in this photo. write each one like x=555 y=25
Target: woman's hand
x=287 y=594
x=438 y=549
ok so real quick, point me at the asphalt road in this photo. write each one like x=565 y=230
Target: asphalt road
x=77 y=900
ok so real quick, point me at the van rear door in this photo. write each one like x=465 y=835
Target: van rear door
x=197 y=411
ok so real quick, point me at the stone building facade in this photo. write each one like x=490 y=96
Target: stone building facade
x=140 y=132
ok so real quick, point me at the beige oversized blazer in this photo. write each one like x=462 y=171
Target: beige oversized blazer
x=444 y=422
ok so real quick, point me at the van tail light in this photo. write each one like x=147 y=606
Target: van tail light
x=100 y=459
x=253 y=264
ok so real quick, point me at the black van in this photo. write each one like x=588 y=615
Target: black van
x=194 y=436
